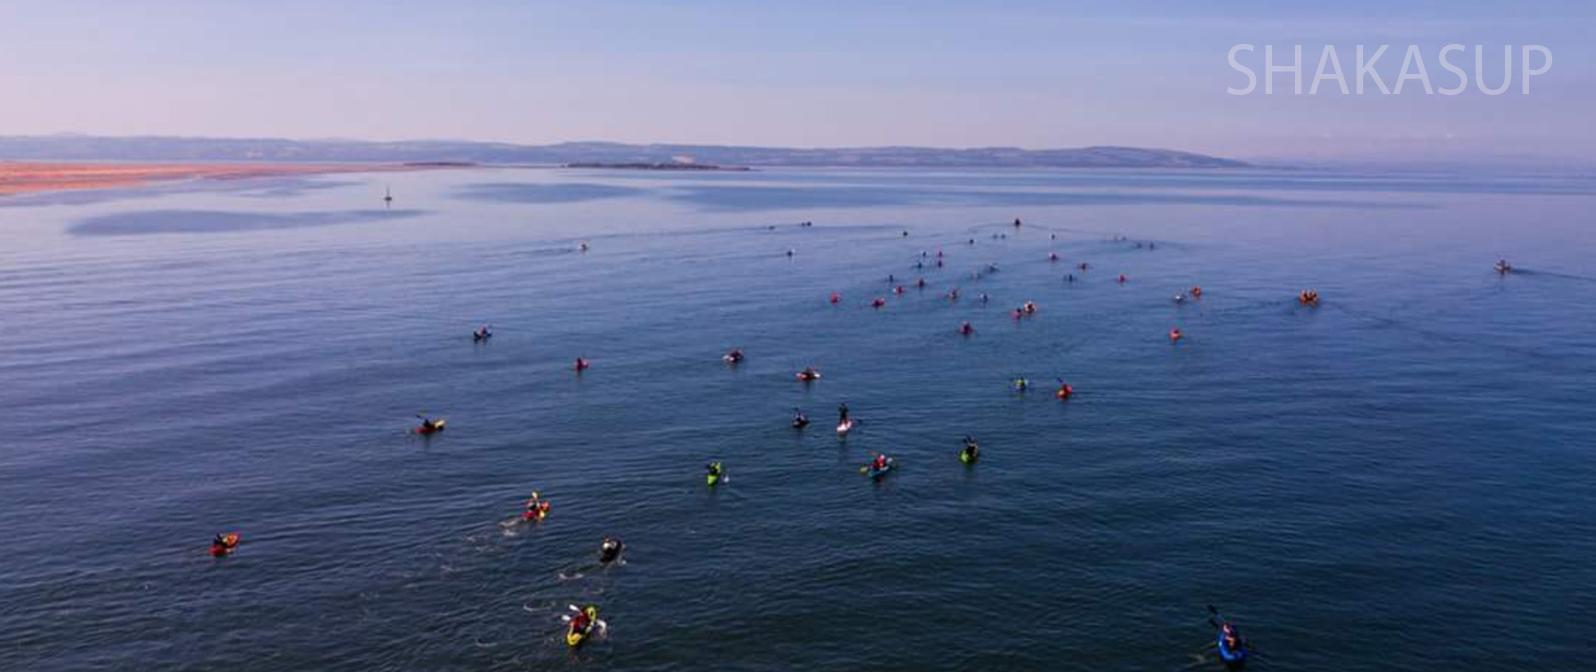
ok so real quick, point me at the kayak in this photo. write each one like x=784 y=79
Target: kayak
x=229 y=542
x=429 y=429
x=877 y=474
x=845 y=427
x=536 y=514
x=966 y=457
x=1234 y=658
x=712 y=479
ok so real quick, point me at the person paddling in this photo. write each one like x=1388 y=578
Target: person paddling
x=610 y=550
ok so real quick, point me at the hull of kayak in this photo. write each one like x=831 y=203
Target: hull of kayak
x=711 y=479
x=967 y=458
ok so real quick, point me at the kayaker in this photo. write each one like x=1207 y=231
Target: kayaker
x=734 y=357
x=1064 y=390
x=482 y=333
x=536 y=507
x=971 y=450
x=222 y=545
x=1021 y=384
x=985 y=298
x=808 y=374
x=879 y=463
x=714 y=469
x=610 y=550
x=799 y=420
x=582 y=364
x=966 y=329
x=1069 y=278
x=583 y=620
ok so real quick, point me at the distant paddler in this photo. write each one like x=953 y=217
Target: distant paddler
x=610 y=550
x=536 y=508
x=429 y=425
x=582 y=625
x=223 y=544
x=970 y=452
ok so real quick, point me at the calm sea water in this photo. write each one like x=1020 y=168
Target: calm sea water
x=1400 y=479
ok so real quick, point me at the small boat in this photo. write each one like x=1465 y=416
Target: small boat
x=536 y=513
x=875 y=474
x=228 y=542
x=1502 y=267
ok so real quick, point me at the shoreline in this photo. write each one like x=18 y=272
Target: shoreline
x=35 y=177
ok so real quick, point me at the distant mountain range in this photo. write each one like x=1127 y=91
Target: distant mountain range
x=100 y=148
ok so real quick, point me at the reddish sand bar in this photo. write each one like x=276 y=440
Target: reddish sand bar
x=32 y=177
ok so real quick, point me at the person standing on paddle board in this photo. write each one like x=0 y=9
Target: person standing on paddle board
x=842 y=414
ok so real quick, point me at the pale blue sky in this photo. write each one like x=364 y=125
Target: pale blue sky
x=816 y=73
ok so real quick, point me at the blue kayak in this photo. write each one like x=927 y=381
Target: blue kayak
x=1233 y=657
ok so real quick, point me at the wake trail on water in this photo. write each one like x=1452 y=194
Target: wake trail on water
x=1551 y=274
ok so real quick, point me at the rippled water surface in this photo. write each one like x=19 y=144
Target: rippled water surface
x=1400 y=479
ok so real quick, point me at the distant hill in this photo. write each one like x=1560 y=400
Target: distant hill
x=97 y=148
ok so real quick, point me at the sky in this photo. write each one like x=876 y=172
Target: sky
x=806 y=74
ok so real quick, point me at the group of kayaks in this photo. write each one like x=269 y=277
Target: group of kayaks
x=583 y=623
